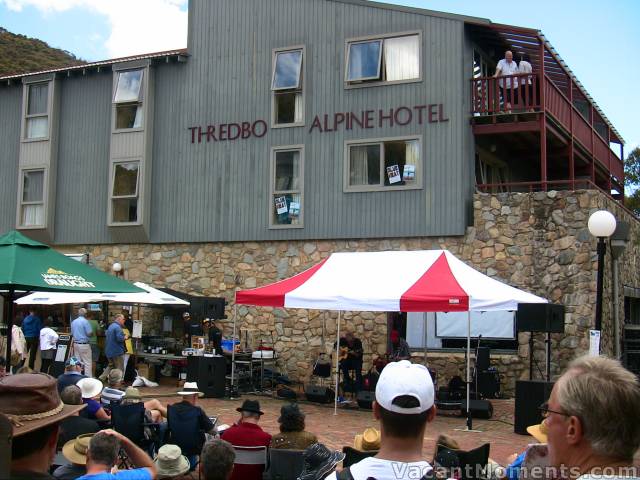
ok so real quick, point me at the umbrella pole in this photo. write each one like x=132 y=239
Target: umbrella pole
x=469 y=419
x=335 y=395
x=10 y=326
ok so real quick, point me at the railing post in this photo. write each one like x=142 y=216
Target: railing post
x=572 y=161
x=543 y=121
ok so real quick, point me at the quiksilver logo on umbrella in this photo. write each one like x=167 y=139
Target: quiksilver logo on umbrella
x=58 y=278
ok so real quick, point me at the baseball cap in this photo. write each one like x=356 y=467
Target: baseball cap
x=73 y=361
x=405 y=378
x=186 y=314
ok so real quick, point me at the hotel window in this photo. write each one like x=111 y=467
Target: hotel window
x=32 y=199
x=383 y=60
x=37 y=118
x=389 y=164
x=128 y=98
x=286 y=187
x=124 y=193
x=287 y=87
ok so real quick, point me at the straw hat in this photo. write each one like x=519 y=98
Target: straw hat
x=132 y=393
x=367 y=440
x=170 y=462
x=76 y=450
x=539 y=432
x=90 y=387
x=191 y=388
x=31 y=401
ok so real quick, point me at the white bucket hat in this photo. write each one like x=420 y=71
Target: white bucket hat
x=90 y=387
x=190 y=388
x=170 y=462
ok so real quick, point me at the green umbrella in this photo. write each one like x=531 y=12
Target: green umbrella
x=29 y=265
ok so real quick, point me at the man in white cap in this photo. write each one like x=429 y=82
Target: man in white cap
x=404 y=405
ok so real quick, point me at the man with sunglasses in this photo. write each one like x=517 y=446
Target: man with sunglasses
x=592 y=420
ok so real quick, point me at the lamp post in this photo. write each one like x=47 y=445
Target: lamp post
x=117 y=269
x=601 y=225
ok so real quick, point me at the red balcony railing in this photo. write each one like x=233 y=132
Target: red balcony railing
x=497 y=95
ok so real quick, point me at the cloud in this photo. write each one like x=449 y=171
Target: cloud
x=137 y=26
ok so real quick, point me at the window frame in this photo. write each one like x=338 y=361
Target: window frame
x=26 y=117
x=346 y=188
x=137 y=196
x=279 y=91
x=140 y=103
x=367 y=83
x=273 y=191
x=21 y=202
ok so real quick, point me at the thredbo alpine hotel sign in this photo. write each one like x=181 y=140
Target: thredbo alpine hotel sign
x=365 y=119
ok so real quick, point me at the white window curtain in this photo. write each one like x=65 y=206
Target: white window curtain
x=358 y=167
x=412 y=153
x=32 y=215
x=37 y=127
x=38 y=96
x=402 y=58
x=298 y=107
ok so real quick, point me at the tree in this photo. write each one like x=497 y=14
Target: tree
x=632 y=179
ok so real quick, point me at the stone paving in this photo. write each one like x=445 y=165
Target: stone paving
x=339 y=430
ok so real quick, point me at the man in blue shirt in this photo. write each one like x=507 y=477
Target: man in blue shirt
x=102 y=455
x=72 y=373
x=81 y=331
x=114 y=346
x=31 y=327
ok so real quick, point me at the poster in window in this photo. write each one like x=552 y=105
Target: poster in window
x=393 y=172
x=281 y=205
x=409 y=173
x=294 y=209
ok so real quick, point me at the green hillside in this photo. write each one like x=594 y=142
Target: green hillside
x=21 y=54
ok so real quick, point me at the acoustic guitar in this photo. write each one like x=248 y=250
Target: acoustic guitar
x=346 y=351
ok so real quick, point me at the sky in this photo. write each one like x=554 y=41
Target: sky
x=598 y=40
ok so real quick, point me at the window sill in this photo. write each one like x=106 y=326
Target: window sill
x=287 y=125
x=39 y=139
x=368 y=188
x=460 y=352
x=365 y=84
x=32 y=227
x=128 y=130
x=284 y=227
x=124 y=224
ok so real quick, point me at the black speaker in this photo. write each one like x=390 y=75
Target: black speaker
x=540 y=317
x=365 y=399
x=209 y=373
x=318 y=394
x=488 y=385
x=483 y=358
x=530 y=394
x=208 y=307
x=479 y=408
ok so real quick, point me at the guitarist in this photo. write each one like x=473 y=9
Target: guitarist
x=351 y=359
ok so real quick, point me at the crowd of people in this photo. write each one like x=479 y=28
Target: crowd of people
x=590 y=429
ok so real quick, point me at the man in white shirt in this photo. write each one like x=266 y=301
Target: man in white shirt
x=526 y=84
x=508 y=86
x=48 y=344
x=404 y=405
x=592 y=420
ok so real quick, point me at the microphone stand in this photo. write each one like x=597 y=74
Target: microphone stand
x=476 y=366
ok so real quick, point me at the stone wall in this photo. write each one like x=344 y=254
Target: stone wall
x=535 y=241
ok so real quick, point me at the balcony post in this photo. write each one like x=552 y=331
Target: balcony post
x=543 y=120
x=572 y=160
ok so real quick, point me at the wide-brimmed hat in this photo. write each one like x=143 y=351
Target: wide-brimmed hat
x=367 y=440
x=132 y=393
x=190 y=388
x=76 y=450
x=252 y=406
x=319 y=461
x=90 y=387
x=31 y=401
x=170 y=462
x=539 y=432
x=291 y=409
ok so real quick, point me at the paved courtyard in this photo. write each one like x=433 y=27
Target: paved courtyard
x=339 y=430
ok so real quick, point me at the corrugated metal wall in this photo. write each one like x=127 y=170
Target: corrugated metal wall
x=10 y=106
x=219 y=191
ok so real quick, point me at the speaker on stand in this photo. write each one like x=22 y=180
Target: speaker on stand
x=540 y=317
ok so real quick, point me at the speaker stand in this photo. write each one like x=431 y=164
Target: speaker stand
x=547 y=345
x=530 y=355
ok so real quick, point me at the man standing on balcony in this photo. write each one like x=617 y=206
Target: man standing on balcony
x=508 y=86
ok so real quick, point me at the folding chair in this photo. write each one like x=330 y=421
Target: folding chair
x=130 y=421
x=285 y=464
x=252 y=462
x=471 y=464
x=351 y=456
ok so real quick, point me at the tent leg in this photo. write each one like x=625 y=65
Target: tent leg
x=233 y=347
x=335 y=395
x=469 y=418
x=10 y=325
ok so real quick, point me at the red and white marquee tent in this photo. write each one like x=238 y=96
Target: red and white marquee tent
x=391 y=281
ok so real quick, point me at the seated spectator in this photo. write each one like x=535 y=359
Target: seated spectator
x=102 y=456
x=112 y=393
x=216 y=460
x=115 y=393
x=132 y=396
x=74 y=426
x=319 y=462
x=3 y=367
x=72 y=373
x=170 y=463
x=367 y=441
x=188 y=423
x=247 y=433
x=75 y=450
x=292 y=434
x=91 y=389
